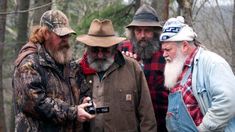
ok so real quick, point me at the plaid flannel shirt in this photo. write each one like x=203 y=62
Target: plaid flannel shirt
x=187 y=93
x=154 y=73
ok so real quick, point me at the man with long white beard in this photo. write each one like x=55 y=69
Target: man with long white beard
x=173 y=68
x=201 y=83
x=114 y=81
x=44 y=100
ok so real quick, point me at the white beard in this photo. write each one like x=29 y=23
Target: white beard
x=173 y=69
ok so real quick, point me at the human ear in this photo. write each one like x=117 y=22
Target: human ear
x=185 y=46
x=46 y=35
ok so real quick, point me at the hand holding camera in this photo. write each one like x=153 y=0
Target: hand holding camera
x=91 y=109
x=82 y=114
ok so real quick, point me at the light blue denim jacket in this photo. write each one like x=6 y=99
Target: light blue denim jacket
x=213 y=84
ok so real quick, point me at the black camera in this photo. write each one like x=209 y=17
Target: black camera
x=92 y=110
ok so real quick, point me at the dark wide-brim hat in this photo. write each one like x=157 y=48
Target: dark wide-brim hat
x=145 y=16
x=100 y=34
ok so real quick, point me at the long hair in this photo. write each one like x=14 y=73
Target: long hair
x=38 y=34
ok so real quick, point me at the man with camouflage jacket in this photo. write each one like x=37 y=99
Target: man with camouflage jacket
x=43 y=97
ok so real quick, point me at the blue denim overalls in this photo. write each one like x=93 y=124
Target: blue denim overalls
x=178 y=118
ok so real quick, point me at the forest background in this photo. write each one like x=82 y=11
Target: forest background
x=213 y=21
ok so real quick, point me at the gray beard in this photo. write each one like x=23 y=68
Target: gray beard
x=100 y=64
x=146 y=49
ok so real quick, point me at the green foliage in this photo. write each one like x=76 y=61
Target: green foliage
x=121 y=15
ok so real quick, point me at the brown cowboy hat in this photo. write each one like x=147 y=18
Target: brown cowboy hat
x=100 y=34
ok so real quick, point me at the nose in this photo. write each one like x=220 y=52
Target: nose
x=164 y=54
x=100 y=54
x=66 y=39
x=142 y=34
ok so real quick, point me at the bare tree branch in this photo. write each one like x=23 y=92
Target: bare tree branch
x=200 y=7
x=223 y=23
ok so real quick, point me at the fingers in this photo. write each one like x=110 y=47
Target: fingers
x=129 y=54
x=82 y=115
x=86 y=99
x=84 y=105
x=135 y=56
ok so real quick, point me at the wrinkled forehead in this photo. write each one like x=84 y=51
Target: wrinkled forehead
x=169 y=44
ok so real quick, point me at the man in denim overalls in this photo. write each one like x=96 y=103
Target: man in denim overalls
x=201 y=83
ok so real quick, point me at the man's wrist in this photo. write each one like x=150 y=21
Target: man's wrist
x=202 y=128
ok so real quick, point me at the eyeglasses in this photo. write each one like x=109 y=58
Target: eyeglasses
x=96 y=50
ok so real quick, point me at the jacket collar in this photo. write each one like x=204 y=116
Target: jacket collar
x=119 y=58
x=196 y=58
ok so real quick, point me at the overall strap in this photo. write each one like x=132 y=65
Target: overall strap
x=186 y=76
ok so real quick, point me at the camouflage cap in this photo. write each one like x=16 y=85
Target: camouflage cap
x=57 y=22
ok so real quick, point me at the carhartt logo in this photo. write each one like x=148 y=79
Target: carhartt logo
x=128 y=97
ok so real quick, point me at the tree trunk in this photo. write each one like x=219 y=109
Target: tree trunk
x=137 y=4
x=22 y=32
x=3 y=8
x=186 y=10
x=38 y=13
x=12 y=119
x=162 y=8
x=233 y=39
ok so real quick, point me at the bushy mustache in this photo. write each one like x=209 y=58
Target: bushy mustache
x=61 y=55
x=100 y=64
x=64 y=46
x=145 y=48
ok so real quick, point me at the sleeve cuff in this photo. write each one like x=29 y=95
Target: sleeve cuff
x=202 y=128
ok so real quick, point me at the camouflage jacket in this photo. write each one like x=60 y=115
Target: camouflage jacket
x=43 y=97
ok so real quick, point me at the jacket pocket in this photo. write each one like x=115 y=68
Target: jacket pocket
x=203 y=99
x=126 y=100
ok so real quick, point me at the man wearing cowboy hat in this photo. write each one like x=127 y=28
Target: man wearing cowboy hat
x=143 y=32
x=114 y=81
